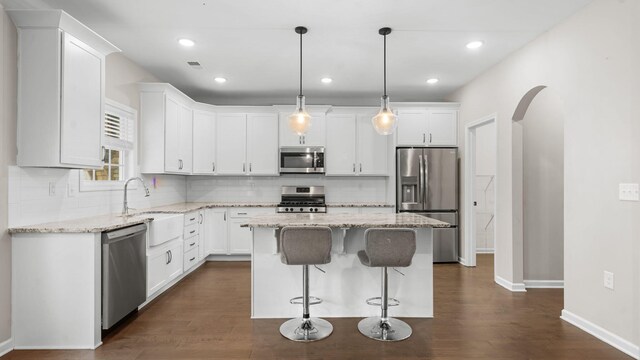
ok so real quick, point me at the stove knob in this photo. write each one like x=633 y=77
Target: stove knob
x=301 y=209
x=316 y=209
x=286 y=209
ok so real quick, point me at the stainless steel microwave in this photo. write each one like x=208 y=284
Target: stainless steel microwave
x=302 y=160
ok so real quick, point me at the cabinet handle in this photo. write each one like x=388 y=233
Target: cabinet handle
x=168 y=258
x=180 y=167
x=243 y=167
x=193 y=258
x=304 y=140
x=242 y=213
x=360 y=167
x=213 y=166
x=201 y=218
x=354 y=167
x=192 y=232
x=225 y=216
x=300 y=140
x=424 y=138
x=105 y=155
x=190 y=245
x=430 y=138
x=249 y=167
x=192 y=219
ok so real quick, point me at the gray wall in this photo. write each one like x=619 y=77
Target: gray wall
x=8 y=83
x=590 y=65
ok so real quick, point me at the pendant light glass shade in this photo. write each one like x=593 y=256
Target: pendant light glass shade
x=385 y=121
x=300 y=120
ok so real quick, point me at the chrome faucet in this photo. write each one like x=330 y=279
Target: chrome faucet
x=125 y=207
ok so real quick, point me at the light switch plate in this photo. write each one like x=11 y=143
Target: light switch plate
x=629 y=192
x=608 y=280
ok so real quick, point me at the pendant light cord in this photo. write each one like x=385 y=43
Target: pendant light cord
x=385 y=65
x=300 y=64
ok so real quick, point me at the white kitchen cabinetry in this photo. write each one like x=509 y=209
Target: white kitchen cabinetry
x=204 y=149
x=241 y=238
x=353 y=146
x=315 y=136
x=166 y=130
x=249 y=143
x=427 y=127
x=61 y=81
x=163 y=265
x=215 y=240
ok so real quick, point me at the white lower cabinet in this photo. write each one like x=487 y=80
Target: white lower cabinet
x=239 y=237
x=163 y=265
x=190 y=258
x=224 y=234
x=215 y=232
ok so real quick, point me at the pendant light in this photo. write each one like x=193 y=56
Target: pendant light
x=385 y=121
x=300 y=120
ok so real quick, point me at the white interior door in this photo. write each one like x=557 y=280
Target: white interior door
x=262 y=144
x=82 y=116
x=340 y=154
x=204 y=135
x=372 y=148
x=231 y=138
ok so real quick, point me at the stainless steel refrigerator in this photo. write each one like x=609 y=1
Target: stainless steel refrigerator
x=427 y=184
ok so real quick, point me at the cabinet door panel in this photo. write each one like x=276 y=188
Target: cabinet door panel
x=240 y=238
x=340 y=153
x=372 y=148
x=156 y=272
x=287 y=137
x=216 y=232
x=262 y=144
x=204 y=135
x=231 y=132
x=171 y=135
x=443 y=127
x=174 y=267
x=316 y=136
x=82 y=104
x=412 y=128
x=186 y=139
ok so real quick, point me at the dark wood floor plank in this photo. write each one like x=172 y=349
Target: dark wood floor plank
x=206 y=316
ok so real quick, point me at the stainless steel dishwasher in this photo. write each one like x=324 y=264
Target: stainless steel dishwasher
x=124 y=272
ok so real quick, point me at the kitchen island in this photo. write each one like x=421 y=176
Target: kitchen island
x=346 y=283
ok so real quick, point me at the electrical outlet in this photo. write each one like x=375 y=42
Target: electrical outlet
x=608 y=280
x=52 y=189
x=629 y=192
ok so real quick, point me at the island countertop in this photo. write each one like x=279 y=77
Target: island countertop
x=402 y=220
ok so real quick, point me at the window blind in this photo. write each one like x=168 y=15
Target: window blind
x=119 y=131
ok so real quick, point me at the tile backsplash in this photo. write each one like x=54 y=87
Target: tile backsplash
x=30 y=201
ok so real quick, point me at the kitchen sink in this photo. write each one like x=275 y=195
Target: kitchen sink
x=164 y=228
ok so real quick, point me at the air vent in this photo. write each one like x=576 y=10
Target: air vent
x=194 y=64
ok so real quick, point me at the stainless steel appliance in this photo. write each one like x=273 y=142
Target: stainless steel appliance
x=302 y=160
x=124 y=272
x=302 y=199
x=427 y=184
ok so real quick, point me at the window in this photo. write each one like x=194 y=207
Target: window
x=118 y=140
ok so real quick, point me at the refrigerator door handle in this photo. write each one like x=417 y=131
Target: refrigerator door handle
x=420 y=182
x=425 y=189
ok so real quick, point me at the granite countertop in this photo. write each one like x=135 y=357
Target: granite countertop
x=94 y=224
x=360 y=204
x=183 y=208
x=403 y=220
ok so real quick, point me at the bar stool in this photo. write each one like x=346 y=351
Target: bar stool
x=305 y=246
x=386 y=248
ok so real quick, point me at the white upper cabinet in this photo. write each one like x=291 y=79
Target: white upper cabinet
x=373 y=148
x=231 y=146
x=315 y=136
x=443 y=127
x=427 y=127
x=166 y=130
x=340 y=155
x=204 y=137
x=262 y=144
x=354 y=147
x=61 y=74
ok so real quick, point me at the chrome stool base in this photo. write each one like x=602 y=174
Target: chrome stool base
x=390 y=330
x=312 y=329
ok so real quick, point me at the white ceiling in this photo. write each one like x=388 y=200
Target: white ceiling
x=253 y=45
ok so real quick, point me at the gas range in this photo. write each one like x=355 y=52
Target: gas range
x=302 y=199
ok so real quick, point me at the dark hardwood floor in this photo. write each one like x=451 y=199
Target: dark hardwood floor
x=206 y=316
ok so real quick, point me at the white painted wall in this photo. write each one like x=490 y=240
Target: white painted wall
x=8 y=108
x=590 y=65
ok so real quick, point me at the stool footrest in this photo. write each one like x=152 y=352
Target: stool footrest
x=298 y=300
x=377 y=301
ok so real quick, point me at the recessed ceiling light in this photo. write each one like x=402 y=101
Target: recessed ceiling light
x=220 y=80
x=475 y=44
x=326 y=80
x=432 y=81
x=186 y=42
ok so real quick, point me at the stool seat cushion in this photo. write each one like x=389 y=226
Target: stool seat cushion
x=309 y=245
x=388 y=247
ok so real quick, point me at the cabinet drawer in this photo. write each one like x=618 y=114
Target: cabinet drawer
x=191 y=243
x=190 y=258
x=191 y=218
x=190 y=231
x=249 y=212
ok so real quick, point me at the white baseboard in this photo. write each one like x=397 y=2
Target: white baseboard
x=544 y=284
x=605 y=335
x=463 y=261
x=6 y=346
x=514 y=287
x=485 y=251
